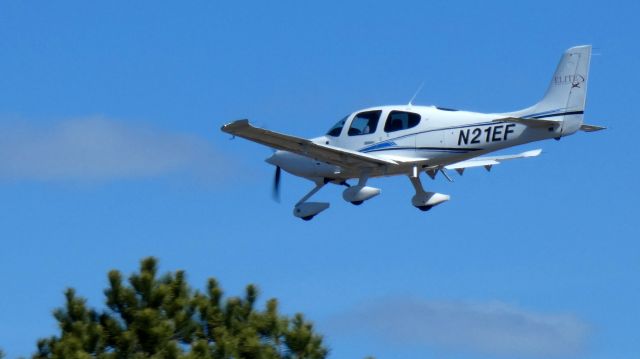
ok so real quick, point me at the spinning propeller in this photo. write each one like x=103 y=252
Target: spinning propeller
x=276 y=185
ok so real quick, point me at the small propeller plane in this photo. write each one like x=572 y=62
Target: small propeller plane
x=408 y=140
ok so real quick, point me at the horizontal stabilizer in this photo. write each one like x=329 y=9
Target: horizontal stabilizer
x=531 y=122
x=591 y=128
x=489 y=161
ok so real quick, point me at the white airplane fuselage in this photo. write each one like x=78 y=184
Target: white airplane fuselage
x=441 y=137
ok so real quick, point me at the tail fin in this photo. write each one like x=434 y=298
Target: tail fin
x=566 y=95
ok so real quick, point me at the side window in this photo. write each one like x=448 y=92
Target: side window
x=400 y=120
x=364 y=123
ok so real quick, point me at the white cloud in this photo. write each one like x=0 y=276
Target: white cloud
x=98 y=149
x=491 y=328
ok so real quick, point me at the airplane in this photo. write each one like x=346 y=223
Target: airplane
x=408 y=140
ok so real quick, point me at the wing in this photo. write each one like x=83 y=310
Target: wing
x=489 y=161
x=325 y=153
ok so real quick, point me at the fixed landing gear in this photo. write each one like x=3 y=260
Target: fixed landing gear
x=307 y=210
x=359 y=193
x=423 y=200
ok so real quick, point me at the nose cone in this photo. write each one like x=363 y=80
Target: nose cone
x=275 y=159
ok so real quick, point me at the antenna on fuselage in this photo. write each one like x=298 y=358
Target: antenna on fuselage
x=416 y=94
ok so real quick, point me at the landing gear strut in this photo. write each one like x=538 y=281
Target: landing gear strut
x=423 y=200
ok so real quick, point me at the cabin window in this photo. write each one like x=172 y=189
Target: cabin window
x=364 y=123
x=337 y=128
x=400 y=120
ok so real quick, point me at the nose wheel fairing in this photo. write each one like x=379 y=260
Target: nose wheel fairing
x=361 y=192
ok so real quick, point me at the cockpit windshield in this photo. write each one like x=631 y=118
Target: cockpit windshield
x=337 y=128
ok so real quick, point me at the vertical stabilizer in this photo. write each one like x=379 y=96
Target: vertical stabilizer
x=567 y=92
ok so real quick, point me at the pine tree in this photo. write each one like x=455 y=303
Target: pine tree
x=162 y=317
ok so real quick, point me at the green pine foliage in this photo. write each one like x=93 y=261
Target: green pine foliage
x=162 y=317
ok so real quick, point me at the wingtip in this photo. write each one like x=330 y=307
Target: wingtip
x=234 y=124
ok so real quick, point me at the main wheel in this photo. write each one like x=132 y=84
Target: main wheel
x=307 y=218
x=424 y=208
x=357 y=203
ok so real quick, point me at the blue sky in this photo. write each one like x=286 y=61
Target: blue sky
x=110 y=151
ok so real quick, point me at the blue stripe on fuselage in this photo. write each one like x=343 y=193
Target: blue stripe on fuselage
x=379 y=145
x=434 y=149
x=390 y=142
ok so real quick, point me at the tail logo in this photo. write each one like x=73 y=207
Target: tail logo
x=574 y=80
x=577 y=80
